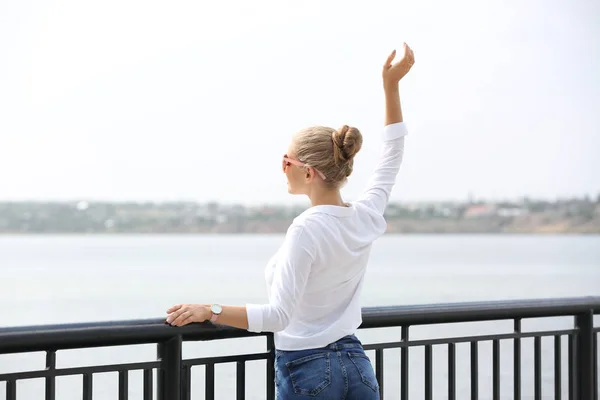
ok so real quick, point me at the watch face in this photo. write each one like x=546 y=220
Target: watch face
x=216 y=309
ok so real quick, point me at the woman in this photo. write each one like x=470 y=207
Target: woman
x=316 y=276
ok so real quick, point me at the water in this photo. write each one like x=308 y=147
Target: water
x=60 y=279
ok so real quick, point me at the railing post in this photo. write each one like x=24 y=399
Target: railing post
x=51 y=380
x=585 y=356
x=169 y=374
x=271 y=367
x=404 y=363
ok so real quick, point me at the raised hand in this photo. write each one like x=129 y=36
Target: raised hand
x=392 y=73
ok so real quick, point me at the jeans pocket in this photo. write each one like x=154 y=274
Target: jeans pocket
x=365 y=369
x=310 y=374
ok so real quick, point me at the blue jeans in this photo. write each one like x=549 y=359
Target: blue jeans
x=339 y=371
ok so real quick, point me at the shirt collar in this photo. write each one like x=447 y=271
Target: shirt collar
x=336 y=211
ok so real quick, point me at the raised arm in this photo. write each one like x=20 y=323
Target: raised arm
x=378 y=190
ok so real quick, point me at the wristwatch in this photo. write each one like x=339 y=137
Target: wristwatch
x=216 y=310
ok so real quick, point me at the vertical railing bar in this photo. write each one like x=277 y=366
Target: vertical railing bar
x=169 y=373
x=51 y=380
x=271 y=367
x=474 y=370
x=148 y=384
x=537 y=367
x=88 y=380
x=379 y=370
x=428 y=376
x=11 y=390
x=496 y=369
x=160 y=372
x=209 y=382
x=161 y=376
x=240 y=380
x=596 y=371
x=557 y=367
x=517 y=361
x=186 y=382
x=451 y=371
x=123 y=384
x=572 y=367
x=585 y=354
x=404 y=364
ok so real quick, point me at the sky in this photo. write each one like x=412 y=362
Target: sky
x=197 y=101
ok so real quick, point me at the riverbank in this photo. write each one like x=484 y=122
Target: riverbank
x=575 y=216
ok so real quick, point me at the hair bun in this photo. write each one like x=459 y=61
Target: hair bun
x=347 y=141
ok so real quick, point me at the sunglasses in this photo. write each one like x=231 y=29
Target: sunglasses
x=289 y=161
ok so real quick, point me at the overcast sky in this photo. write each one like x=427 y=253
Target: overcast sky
x=197 y=100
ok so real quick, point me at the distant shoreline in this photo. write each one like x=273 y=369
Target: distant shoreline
x=190 y=234
x=566 y=217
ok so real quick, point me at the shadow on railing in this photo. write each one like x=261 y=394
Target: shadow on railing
x=174 y=372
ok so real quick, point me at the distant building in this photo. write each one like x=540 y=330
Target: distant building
x=511 y=212
x=478 y=211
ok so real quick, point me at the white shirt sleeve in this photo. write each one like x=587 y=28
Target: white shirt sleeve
x=379 y=188
x=291 y=273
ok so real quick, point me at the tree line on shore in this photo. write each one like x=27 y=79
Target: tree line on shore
x=573 y=215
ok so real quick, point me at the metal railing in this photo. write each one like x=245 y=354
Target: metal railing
x=174 y=372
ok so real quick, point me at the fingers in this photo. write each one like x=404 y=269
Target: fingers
x=186 y=321
x=175 y=311
x=407 y=60
x=411 y=55
x=408 y=54
x=176 y=316
x=174 y=308
x=184 y=316
x=389 y=60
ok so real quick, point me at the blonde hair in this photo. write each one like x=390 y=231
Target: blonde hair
x=328 y=150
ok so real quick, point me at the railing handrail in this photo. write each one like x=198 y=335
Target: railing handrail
x=112 y=333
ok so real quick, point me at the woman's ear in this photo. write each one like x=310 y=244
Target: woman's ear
x=310 y=174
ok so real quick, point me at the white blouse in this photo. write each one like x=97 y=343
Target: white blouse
x=316 y=277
